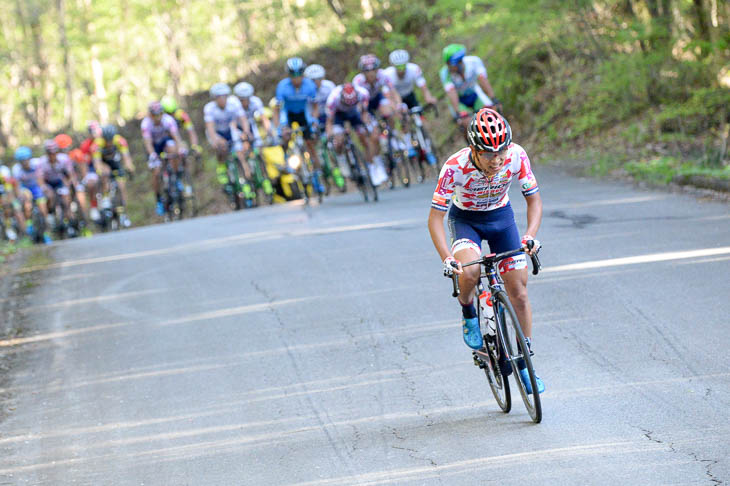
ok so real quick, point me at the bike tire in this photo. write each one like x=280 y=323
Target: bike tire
x=496 y=377
x=513 y=342
x=192 y=199
x=365 y=183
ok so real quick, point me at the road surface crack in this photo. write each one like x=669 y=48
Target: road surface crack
x=707 y=463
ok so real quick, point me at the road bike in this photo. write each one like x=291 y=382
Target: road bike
x=331 y=172
x=237 y=187
x=357 y=167
x=111 y=209
x=396 y=152
x=301 y=161
x=505 y=348
x=262 y=186
x=422 y=143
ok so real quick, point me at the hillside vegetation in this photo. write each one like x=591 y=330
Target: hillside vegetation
x=637 y=85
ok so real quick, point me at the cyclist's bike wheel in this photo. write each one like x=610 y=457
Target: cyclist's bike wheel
x=361 y=174
x=234 y=186
x=191 y=200
x=517 y=353
x=496 y=374
x=398 y=161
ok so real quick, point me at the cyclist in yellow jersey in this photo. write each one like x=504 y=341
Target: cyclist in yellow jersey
x=110 y=150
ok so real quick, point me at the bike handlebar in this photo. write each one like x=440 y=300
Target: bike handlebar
x=536 y=266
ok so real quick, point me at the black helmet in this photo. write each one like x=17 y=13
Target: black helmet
x=108 y=131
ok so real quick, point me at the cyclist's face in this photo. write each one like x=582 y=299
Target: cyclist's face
x=297 y=80
x=455 y=68
x=221 y=101
x=401 y=70
x=371 y=75
x=156 y=118
x=318 y=82
x=244 y=102
x=489 y=162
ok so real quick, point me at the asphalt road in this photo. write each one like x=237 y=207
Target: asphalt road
x=320 y=346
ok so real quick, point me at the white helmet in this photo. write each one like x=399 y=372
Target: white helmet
x=399 y=57
x=243 y=90
x=314 y=71
x=219 y=89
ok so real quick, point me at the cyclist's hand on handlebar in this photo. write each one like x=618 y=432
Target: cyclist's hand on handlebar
x=452 y=266
x=535 y=244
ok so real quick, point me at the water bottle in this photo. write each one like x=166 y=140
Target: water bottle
x=487 y=312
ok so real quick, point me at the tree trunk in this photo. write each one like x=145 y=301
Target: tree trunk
x=703 y=26
x=68 y=112
x=97 y=71
x=336 y=8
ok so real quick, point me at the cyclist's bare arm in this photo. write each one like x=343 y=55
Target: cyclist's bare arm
x=128 y=163
x=275 y=116
x=534 y=214
x=427 y=95
x=246 y=132
x=438 y=234
x=193 y=136
x=453 y=98
x=147 y=142
x=486 y=85
x=210 y=132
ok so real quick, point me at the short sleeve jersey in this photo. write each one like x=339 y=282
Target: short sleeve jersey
x=412 y=77
x=296 y=100
x=335 y=105
x=382 y=83
x=157 y=133
x=54 y=173
x=323 y=92
x=461 y=182
x=463 y=83
x=106 y=150
x=223 y=117
x=27 y=178
x=255 y=108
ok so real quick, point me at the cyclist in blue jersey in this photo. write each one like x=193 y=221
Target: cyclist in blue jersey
x=295 y=95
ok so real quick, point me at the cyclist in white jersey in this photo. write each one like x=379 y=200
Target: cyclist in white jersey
x=384 y=100
x=476 y=180
x=316 y=73
x=466 y=84
x=405 y=77
x=222 y=116
x=253 y=108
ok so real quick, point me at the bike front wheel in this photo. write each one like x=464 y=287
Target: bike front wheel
x=517 y=353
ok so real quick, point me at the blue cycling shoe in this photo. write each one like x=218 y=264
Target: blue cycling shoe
x=412 y=152
x=525 y=376
x=160 y=209
x=472 y=334
x=431 y=158
x=317 y=182
x=47 y=239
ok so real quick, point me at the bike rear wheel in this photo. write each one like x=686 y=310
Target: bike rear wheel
x=361 y=174
x=517 y=353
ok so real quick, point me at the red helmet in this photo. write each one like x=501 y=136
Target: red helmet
x=349 y=95
x=77 y=156
x=63 y=141
x=489 y=131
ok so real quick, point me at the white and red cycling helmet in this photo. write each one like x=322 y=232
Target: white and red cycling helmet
x=349 y=96
x=488 y=131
